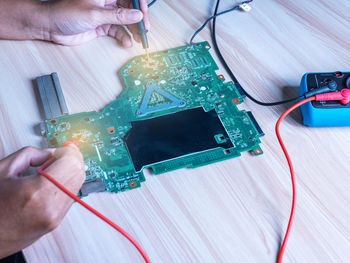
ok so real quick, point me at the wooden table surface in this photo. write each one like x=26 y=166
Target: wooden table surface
x=232 y=211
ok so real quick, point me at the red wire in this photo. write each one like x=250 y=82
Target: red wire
x=134 y=242
x=92 y=210
x=285 y=240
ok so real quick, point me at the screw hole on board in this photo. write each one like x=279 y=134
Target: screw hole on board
x=258 y=151
x=133 y=184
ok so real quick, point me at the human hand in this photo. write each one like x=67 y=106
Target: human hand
x=30 y=205
x=73 y=22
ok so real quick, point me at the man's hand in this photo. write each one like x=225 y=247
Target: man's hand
x=71 y=22
x=30 y=205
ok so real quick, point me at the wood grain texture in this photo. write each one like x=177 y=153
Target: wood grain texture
x=233 y=211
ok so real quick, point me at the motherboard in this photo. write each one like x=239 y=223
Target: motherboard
x=175 y=112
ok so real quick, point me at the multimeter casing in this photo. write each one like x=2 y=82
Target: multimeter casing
x=325 y=113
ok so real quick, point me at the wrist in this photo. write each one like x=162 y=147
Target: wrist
x=36 y=23
x=23 y=19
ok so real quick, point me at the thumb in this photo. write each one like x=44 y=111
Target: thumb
x=120 y=16
x=21 y=160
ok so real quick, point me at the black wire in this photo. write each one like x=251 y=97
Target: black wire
x=221 y=58
x=152 y=3
x=216 y=15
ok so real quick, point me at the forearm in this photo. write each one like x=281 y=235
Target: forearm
x=23 y=19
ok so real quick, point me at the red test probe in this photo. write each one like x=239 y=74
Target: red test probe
x=88 y=207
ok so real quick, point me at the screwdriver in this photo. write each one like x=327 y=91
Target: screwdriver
x=142 y=30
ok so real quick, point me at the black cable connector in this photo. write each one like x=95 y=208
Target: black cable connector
x=328 y=87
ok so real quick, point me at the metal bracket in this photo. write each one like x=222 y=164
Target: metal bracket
x=51 y=96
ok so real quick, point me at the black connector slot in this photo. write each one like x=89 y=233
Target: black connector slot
x=256 y=124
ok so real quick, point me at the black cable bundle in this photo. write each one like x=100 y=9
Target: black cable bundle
x=222 y=60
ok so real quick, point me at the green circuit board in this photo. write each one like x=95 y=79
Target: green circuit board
x=175 y=112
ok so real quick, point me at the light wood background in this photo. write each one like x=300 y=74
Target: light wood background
x=233 y=211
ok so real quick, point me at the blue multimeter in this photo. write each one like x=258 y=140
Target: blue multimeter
x=325 y=113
